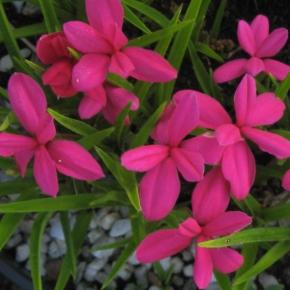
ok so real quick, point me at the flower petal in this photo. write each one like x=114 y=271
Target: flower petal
x=207 y=146
x=47 y=131
x=273 y=43
x=230 y=70
x=22 y=159
x=203 y=268
x=269 y=142
x=246 y=37
x=239 y=168
x=144 y=158
x=278 y=69
x=28 y=101
x=73 y=160
x=150 y=66
x=227 y=223
x=52 y=47
x=161 y=244
x=44 y=171
x=92 y=103
x=189 y=164
x=211 y=112
x=90 y=72
x=210 y=197
x=260 y=28
x=11 y=144
x=254 y=66
x=189 y=228
x=121 y=65
x=244 y=99
x=159 y=190
x=85 y=38
x=286 y=180
x=104 y=14
x=226 y=260
x=228 y=134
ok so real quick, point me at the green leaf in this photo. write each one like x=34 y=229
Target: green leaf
x=283 y=88
x=73 y=125
x=206 y=50
x=35 y=244
x=69 y=243
x=215 y=30
x=9 y=119
x=256 y=235
x=18 y=185
x=142 y=136
x=126 y=179
x=120 y=122
x=78 y=237
x=96 y=138
x=63 y=203
x=118 y=81
x=119 y=244
x=123 y=258
x=271 y=257
x=131 y=17
x=223 y=280
x=276 y=213
x=155 y=36
x=49 y=14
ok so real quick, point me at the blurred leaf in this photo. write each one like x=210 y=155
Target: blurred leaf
x=255 y=235
x=126 y=179
x=131 y=17
x=283 y=88
x=276 y=212
x=206 y=50
x=17 y=185
x=119 y=244
x=9 y=119
x=215 y=30
x=121 y=122
x=118 y=81
x=35 y=244
x=223 y=280
x=49 y=15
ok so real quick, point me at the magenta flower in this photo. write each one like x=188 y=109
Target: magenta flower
x=160 y=186
x=28 y=102
x=209 y=220
x=52 y=49
x=261 y=45
x=103 y=45
x=226 y=143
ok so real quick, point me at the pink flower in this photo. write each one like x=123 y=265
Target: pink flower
x=160 y=186
x=209 y=220
x=28 y=102
x=103 y=45
x=52 y=49
x=226 y=143
x=256 y=40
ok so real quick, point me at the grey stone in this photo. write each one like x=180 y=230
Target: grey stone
x=187 y=271
x=92 y=269
x=120 y=228
x=125 y=273
x=133 y=260
x=30 y=9
x=108 y=220
x=26 y=226
x=80 y=271
x=22 y=253
x=56 y=249
x=177 y=265
x=14 y=241
x=56 y=230
x=154 y=288
x=18 y=6
x=94 y=235
x=165 y=263
x=6 y=63
x=267 y=280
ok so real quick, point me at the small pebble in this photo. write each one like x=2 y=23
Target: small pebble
x=177 y=265
x=120 y=228
x=187 y=271
x=267 y=280
x=14 y=241
x=107 y=221
x=165 y=263
x=56 y=249
x=94 y=235
x=22 y=253
x=56 y=230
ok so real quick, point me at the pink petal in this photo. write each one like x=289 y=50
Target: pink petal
x=203 y=268
x=210 y=197
x=269 y=142
x=52 y=47
x=211 y=112
x=254 y=66
x=117 y=37
x=226 y=260
x=144 y=158
x=230 y=70
x=278 y=69
x=286 y=180
x=246 y=37
x=105 y=14
x=22 y=159
x=189 y=164
x=227 y=223
x=207 y=145
x=159 y=190
x=92 y=103
x=121 y=65
x=90 y=72
x=260 y=28
x=273 y=43
x=73 y=160
x=150 y=66
x=44 y=171
x=239 y=168
x=85 y=38
x=268 y=110
x=47 y=130
x=228 y=134
x=161 y=244
x=27 y=100
x=11 y=144
x=189 y=228
x=244 y=99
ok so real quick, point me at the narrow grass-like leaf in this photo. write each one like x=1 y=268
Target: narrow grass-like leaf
x=206 y=50
x=121 y=122
x=123 y=258
x=119 y=244
x=49 y=14
x=132 y=18
x=119 y=82
x=73 y=125
x=3 y=93
x=277 y=212
x=283 y=88
x=9 y=119
x=223 y=280
x=271 y=257
x=126 y=179
x=18 y=185
x=215 y=30
x=257 y=235
x=142 y=136
x=35 y=244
